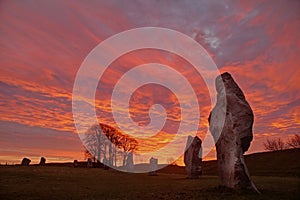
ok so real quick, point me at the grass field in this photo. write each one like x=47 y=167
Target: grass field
x=285 y=163
x=275 y=174
x=46 y=182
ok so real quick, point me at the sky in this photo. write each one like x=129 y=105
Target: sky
x=43 y=44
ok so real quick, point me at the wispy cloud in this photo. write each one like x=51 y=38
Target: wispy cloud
x=44 y=43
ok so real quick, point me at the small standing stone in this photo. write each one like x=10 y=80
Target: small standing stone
x=89 y=163
x=193 y=157
x=153 y=166
x=25 y=162
x=42 y=161
x=129 y=163
x=98 y=164
x=75 y=163
x=105 y=163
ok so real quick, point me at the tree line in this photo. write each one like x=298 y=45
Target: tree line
x=108 y=145
x=278 y=144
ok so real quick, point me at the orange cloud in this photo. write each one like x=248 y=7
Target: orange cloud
x=43 y=45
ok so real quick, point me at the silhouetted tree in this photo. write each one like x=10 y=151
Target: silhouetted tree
x=105 y=142
x=128 y=145
x=94 y=141
x=294 y=142
x=274 y=144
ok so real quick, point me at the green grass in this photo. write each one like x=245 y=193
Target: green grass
x=50 y=182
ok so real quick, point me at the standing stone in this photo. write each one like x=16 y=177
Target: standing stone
x=89 y=163
x=153 y=166
x=75 y=163
x=235 y=135
x=25 y=162
x=193 y=157
x=105 y=162
x=98 y=164
x=42 y=161
x=129 y=162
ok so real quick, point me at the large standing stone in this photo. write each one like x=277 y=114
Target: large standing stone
x=25 y=162
x=153 y=166
x=193 y=157
x=129 y=163
x=236 y=134
x=42 y=161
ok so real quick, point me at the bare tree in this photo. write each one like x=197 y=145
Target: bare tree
x=274 y=144
x=94 y=142
x=128 y=145
x=294 y=142
x=105 y=142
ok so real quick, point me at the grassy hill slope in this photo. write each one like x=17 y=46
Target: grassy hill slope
x=278 y=163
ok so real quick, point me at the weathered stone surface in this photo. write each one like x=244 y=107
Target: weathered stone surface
x=153 y=166
x=193 y=157
x=236 y=134
x=42 y=161
x=129 y=163
x=25 y=162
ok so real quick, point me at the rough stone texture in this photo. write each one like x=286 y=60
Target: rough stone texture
x=129 y=163
x=235 y=136
x=25 y=162
x=193 y=157
x=153 y=166
x=42 y=161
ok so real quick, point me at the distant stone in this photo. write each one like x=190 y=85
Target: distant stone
x=42 y=161
x=98 y=164
x=75 y=163
x=89 y=163
x=105 y=162
x=236 y=134
x=153 y=166
x=193 y=157
x=25 y=162
x=129 y=162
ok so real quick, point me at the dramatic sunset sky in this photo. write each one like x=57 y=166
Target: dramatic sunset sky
x=43 y=43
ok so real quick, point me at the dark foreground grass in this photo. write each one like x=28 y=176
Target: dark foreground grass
x=50 y=182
